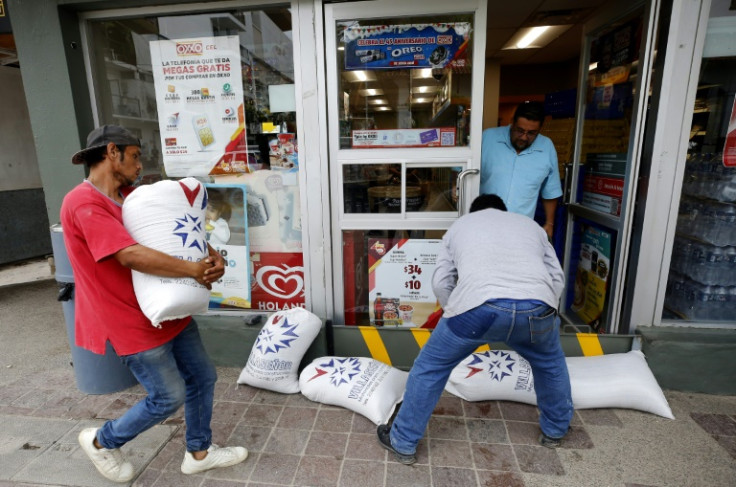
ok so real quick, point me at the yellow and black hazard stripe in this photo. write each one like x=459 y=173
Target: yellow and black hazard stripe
x=399 y=347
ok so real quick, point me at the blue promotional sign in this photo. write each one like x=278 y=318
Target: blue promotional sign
x=406 y=46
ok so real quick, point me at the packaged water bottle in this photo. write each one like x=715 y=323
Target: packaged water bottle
x=724 y=215
x=728 y=276
x=703 y=295
x=709 y=271
x=719 y=303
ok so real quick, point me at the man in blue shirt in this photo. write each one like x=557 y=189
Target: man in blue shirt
x=520 y=165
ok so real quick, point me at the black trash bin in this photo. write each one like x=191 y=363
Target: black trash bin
x=95 y=374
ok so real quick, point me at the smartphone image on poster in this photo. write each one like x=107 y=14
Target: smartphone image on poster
x=203 y=130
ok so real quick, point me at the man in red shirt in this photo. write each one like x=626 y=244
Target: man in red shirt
x=169 y=362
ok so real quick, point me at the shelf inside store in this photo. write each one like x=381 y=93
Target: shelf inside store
x=447 y=113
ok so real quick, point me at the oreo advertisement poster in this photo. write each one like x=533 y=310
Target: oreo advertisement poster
x=406 y=46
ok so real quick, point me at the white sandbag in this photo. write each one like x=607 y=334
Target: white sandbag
x=619 y=380
x=493 y=375
x=363 y=385
x=169 y=216
x=274 y=360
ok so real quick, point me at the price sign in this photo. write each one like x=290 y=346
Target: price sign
x=401 y=271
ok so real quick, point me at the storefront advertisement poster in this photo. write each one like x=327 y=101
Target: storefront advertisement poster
x=603 y=193
x=277 y=281
x=592 y=275
x=430 y=137
x=199 y=97
x=283 y=152
x=729 y=147
x=400 y=280
x=226 y=228
x=406 y=46
x=273 y=209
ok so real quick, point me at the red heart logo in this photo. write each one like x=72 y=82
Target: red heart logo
x=283 y=283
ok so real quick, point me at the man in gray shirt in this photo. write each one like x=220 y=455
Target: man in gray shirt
x=498 y=280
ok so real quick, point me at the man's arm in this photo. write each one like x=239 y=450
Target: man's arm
x=555 y=270
x=444 y=279
x=549 y=212
x=150 y=261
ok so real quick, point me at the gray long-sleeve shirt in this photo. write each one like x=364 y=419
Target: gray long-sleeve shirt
x=492 y=254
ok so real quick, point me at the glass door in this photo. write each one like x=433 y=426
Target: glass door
x=404 y=96
x=618 y=53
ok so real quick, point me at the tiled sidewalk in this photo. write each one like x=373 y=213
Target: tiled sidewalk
x=296 y=442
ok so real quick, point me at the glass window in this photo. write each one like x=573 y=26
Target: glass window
x=249 y=91
x=124 y=84
x=614 y=62
x=702 y=278
x=388 y=277
x=405 y=82
x=377 y=188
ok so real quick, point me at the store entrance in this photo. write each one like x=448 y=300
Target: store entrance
x=404 y=97
x=589 y=68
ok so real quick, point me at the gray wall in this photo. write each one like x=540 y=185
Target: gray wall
x=24 y=227
x=18 y=164
x=51 y=107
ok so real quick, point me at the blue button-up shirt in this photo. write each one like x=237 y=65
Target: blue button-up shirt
x=519 y=179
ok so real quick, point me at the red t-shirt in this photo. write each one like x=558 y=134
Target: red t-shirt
x=105 y=304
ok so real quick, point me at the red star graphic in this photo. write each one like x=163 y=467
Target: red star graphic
x=319 y=373
x=473 y=371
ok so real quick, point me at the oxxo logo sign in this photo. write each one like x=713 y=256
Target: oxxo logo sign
x=189 y=48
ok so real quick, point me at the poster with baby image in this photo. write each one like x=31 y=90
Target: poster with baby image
x=226 y=229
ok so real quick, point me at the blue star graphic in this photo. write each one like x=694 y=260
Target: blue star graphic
x=342 y=369
x=189 y=224
x=500 y=364
x=271 y=339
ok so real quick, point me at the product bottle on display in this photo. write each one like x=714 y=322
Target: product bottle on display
x=378 y=310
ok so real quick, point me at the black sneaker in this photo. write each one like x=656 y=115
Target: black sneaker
x=549 y=442
x=385 y=440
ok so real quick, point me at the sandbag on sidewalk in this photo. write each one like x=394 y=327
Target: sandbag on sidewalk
x=363 y=385
x=274 y=360
x=618 y=380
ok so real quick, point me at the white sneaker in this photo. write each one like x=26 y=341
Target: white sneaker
x=110 y=463
x=216 y=457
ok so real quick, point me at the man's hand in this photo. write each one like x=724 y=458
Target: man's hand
x=549 y=228
x=216 y=267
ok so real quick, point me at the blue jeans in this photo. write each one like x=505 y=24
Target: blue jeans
x=178 y=372
x=529 y=327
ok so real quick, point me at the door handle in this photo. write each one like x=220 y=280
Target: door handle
x=567 y=185
x=461 y=189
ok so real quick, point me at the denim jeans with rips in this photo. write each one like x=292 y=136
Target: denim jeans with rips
x=529 y=327
x=177 y=373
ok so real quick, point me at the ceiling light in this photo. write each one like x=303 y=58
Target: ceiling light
x=535 y=37
x=383 y=109
x=531 y=36
x=378 y=101
x=593 y=66
x=423 y=89
x=359 y=76
x=371 y=92
x=422 y=73
x=421 y=100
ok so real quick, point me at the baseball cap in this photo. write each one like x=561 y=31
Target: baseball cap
x=100 y=137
